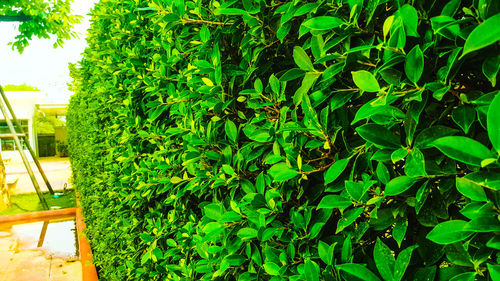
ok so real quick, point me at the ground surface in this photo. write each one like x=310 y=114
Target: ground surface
x=20 y=257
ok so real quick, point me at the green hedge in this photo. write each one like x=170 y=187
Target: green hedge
x=290 y=140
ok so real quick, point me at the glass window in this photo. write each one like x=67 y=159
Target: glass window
x=8 y=143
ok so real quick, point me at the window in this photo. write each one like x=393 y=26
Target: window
x=8 y=143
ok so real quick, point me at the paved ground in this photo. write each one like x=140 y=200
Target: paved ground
x=57 y=169
x=20 y=258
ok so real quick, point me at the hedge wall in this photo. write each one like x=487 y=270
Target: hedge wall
x=290 y=140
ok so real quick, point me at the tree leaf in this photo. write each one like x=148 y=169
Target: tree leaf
x=271 y=268
x=493 y=121
x=399 y=230
x=428 y=135
x=464 y=116
x=335 y=170
x=348 y=218
x=414 y=64
x=281 y=172
x=471 y=189
x=365 y=81
x=358 y=270
x=334 y=201
x=449 y=232
x=302 y=59
x=494 y=271
x=466 y=276
x=491 y=66
x=231 y=130
x=378 y=135
x=384 y=260
x=483 y=224
x=463 y=149
x=415 y=163
x=399 y=185
x=323 y=23
x=311 y=270
x=402 y=262
x=483 y=35
x=409 y=16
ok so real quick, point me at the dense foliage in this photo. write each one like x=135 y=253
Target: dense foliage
x=40 y=18
x=290 y=140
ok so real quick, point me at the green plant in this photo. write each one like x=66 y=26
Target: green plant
x=297 y=140
x=40 y=18
x=62 y=148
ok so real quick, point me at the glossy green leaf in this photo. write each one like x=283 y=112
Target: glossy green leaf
x=494 y=123
x=463 y=149
x=399 y=230
x=409 y=16
x=464 y=116
x=399 y=185
x=494 y=271
x=335 y=170
x=449 y=232
x=358 y=270
x=348 y=218
x=231 y=130
x=271 y=268
x=483 y=35
x=471 y=189
x=281 y=172
x=415 y=164
x=414 y=64
x=466 y=276
x=384 y=260
x=402 y=262
x=302 y=59
x=311 y=271
x=323 y=23
x=491 y=66
x=379 y=135
x=428 y=135
x=334 y=201
x=365 y=81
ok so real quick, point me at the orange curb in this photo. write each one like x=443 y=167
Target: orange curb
x=89 y=272
x=36 y=216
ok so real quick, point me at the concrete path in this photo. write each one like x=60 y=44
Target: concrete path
x=57 y=170
x=33 y=265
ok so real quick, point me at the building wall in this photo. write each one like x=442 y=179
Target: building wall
x=23 y=104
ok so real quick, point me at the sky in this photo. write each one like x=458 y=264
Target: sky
x=41 y=65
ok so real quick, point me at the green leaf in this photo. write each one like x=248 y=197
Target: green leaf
x=335 y=170
x=356 y=189
x=380 y=136
x=402 y=262
x=271 y=268
x=146 y=237
x=384 y=260
x=464 y=116
x=281 y=172
x=428 y=135
x=382 y=173
x=399 y=185
x=323 y=23
x=247 y=233
x=463 y=149
x=414 y=64
x=348 y=218
x=231 y=130
x=399 y=230
x=466 y=276
x=449 y=232
x=334 y=201
x=415 y=164
x=409 y=16
x=425 y=273
x=491 y=66
x=213 y=211
x=471 y=189
x=483 y=224
x=231 y=11
x=494 y=271
x=358 y=270
x=493 y=121
x=311 y=270
x=302 y=59
x=365 y=81
x=483 y=35
x=274 y=83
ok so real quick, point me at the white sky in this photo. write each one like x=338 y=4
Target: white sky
x=41 y=65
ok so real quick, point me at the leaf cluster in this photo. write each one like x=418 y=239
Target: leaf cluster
x=290 y=140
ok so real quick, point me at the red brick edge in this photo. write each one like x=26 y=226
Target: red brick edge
x=89 y=272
